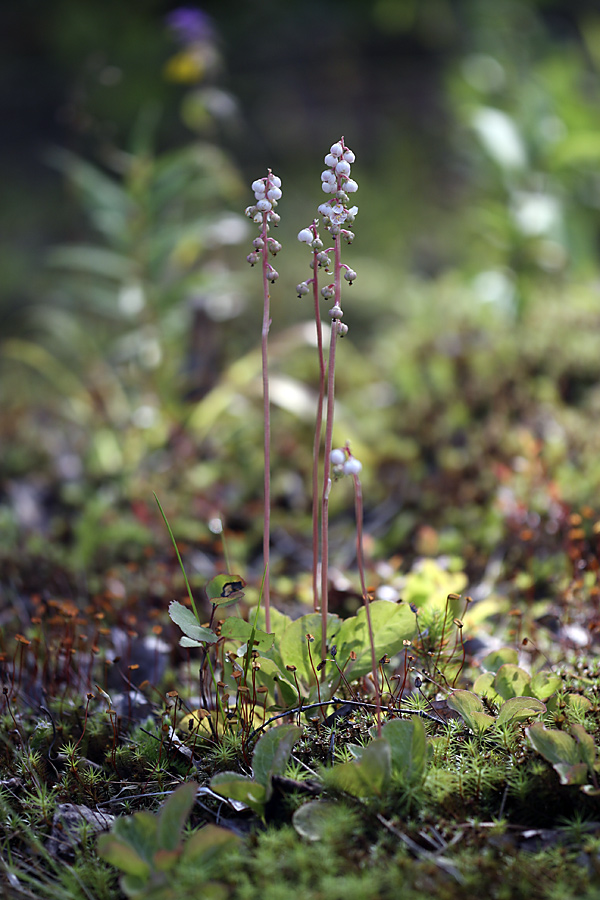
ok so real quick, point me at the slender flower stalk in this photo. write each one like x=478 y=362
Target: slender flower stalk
x=346 y=464
x=267 y=192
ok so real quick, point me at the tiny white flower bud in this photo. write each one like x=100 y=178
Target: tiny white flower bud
x=250 y=211
x=328 y=188
x=302 y=288
x=258 y=243
x=273 y=274
x=275 y=246
x=327 y=292
x=324 y=209
x=274 y=217
x=342 y=168
x=328 y=176
x=336 y=150
x=337 y=457
x=259 y=186
x=342 y=329
x=350 y=186
x=260 y=195
x=350 y=275
x=330 y=160
x=348 y=236
x=305 y=236
x=349 y=156
x=335 y=312
x=274 y=194
x=275 y=180
x=253 y=258
x=264 y=205
x=317 y=244
x=257 y=218
x=352 y=466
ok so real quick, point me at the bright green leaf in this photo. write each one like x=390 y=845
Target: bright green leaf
x=497 y=658
x=544 y=685
x=517 y=709
x=555 y=746
x=239 y=629
x=408 y=745
x=470 y=708
x=512 y=681
x=272 y=753
x=174 y=814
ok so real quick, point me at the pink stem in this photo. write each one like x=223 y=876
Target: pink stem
x=361 y=569
x=317 y=441
x=266 y=324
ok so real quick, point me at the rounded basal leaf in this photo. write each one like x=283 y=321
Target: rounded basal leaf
x=272 y=753
x=517 y=709
x=484 y=686
x=512 y=681
x=556 y=746
x=368 y=777
x=577 y=702
x=392 y=625
x=208 y=843
x=293 y=646
x=585 y=742
x=311 y=820
x=239 y=629
x=187 y=621
x=173 y=815
x=225 y=589
x=408 y=745
x=470 y=708
x=544 y=685
x=497 y=658
x=236 y=787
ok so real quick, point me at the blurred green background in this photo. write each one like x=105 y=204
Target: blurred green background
x=129 y=344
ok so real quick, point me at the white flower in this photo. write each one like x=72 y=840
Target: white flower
x=337 y=214
x=274 y=194
x=324 y=209
x=328 y=176
x=349 y=156
x=328 y=188
x=350 y=186
x=330 y=160
x=342 y=168
x=336 y=150
x=259 y=186
x=353 y=211
x=352 y=466
x=264 y=205
x=337 y=457
x=305 y=236
x=275 y=180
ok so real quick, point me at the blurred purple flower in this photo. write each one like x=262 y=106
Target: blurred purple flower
x=190 y=25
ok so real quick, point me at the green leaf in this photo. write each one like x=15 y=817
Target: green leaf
x=578 y=702
x=575 y=774
x=174 y=814
x=517 y=709
x=122 y=855
x=187 y=621
x=369 y=776
x=556 y=746
x=272 y=753
x=408 y=745
x=225 y=589
x=497 y=658
x=312 y=819
x=237 y=787
x=139 y=832
x=470 y=708
x=585 y=742
x=239 y=629
x=392 y=625
x=512 y=681
x=544 y=685
x=484 y=686
x=293 y=646
x=207 y=844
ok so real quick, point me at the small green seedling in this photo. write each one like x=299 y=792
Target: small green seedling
x=573 y=756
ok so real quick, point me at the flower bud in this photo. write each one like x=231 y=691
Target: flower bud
x=274 y=246
x=274 y=179
x=352 y=466
x=327 y=292
x=264 y=205
x=323 y=209
x=342 y=168
x=348 y=236
x=336 y=149
x=302 y=289
x=317 y=244
x=342 y=329
x=350 y=275
x=257 y=219
x=327 y=188
x=275 y=218
x=337 y=457
x=323 y=259
x=328 y=176
x=336 y=312
x=305 y=236
x=330 y=160
x=258 y=185
x=273 y=275
x=349 y=156
x=253 y=258
x=274 y=194
x=258 y=243
x=350 y=186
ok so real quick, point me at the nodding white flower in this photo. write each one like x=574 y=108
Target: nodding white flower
x=353 y=211
x=342 y=168
x=305 y=236
x=328 y=176
x=330 y=160
x=350 y=186
x=328 y=188
x=259 y=186
x=337 y=457
x=264 y=205
x=324 y=209
x=274 y=179
x=274 y=194
x=336 y=149
x=349 y=156
x=352 y=466
x=257 y=219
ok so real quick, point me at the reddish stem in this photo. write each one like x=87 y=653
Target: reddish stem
x=266 y=324
x=317 y=440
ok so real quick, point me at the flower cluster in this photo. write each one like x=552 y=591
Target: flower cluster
x=336 y=180
x=267 y=192
x=344 y=463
